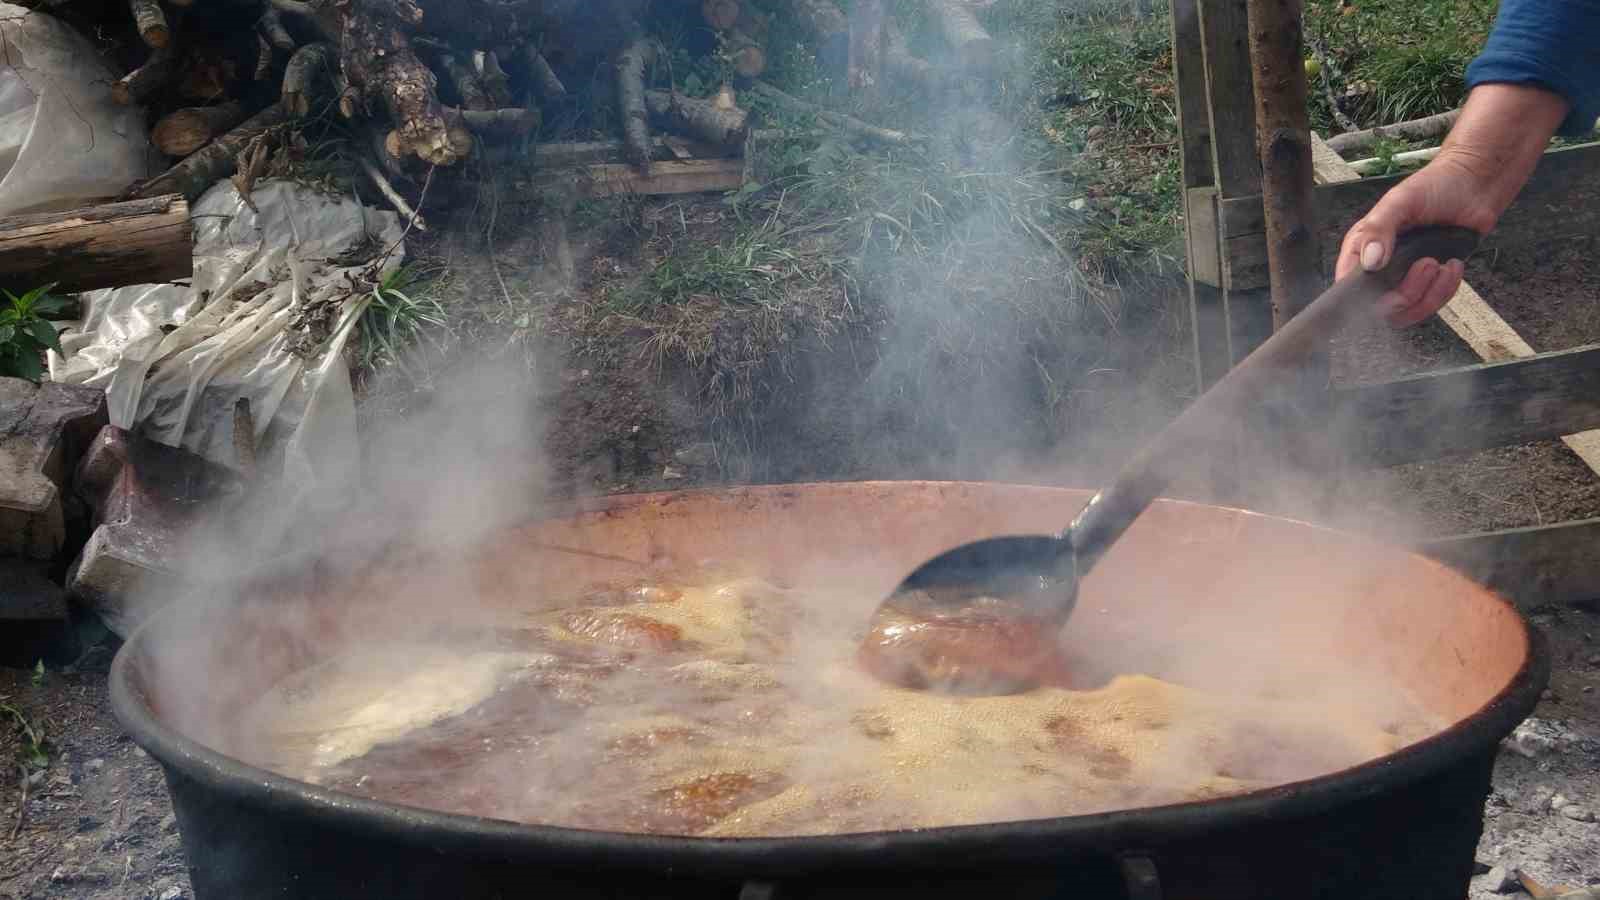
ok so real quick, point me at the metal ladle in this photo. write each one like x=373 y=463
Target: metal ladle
x=981 y=618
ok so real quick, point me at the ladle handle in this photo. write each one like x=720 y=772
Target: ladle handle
x=1219 y=410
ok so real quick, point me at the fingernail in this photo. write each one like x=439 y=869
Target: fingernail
x=1372 y=256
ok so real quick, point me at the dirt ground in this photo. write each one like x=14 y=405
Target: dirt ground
x=97 y=823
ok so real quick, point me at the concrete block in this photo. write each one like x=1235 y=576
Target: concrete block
x=144 y=497
x=44 y=429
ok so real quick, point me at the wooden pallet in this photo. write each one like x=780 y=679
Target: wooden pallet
x=1516 y=395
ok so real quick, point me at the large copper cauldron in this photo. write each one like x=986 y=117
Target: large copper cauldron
x=1188 y=583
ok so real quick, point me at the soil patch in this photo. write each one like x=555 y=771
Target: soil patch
x=97 y=824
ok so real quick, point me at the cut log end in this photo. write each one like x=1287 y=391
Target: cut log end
x=184 y=131
x=750 y=62
x=151 y=22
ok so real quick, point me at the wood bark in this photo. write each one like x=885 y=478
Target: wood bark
x=244 y=437
x=1284 y=131
x=973 y=47
x=151 y=23
x=866 y=44
x=392 y=164
x=1414 y=130
x=900 y=65
x=496 y=83
x=849 y=124
x=380 y=60
x=139 y=84
x=216 y=160
x=305 y=77
x=132 y=242
x=631 y=64
x=466 y=83
x=513 y=121
x=324 y=18
x=830 y=32
x=184 y=131
x=271 y=25
x=263 y=58
x=544 y=77
x=349 y=98
x=699 y=119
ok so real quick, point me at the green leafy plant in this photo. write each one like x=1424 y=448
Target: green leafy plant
x=25 y=333
x=399 y=314
x=35 y=749
x=38 y=674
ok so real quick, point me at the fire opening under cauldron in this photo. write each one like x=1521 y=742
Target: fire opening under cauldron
x=1224 y=603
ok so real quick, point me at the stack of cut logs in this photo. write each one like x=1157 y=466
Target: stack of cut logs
x=430 y=83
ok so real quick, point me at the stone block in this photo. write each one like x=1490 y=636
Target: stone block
x=44 y=429
x=144 y=497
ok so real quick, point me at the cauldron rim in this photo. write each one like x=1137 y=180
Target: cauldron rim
x=1011 y=841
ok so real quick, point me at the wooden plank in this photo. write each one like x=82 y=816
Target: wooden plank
x=1200 y=222
x=1470 y=408
x=1224 y=28
x=556 y=156
x=1561 y=200
x=1475 y=322
x=1542 y=566
x=689 y=176
x=1324 y=161
x=1207 y=315
x=1189 y=79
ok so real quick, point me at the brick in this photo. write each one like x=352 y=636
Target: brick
x=144 y=497
x=43 y=430
x=26 y=595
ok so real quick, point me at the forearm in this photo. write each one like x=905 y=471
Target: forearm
x=1503 y=131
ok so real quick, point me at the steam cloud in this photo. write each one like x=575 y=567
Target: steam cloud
x=472 y=463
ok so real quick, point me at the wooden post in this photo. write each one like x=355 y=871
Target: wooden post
x=1284 y=131
x=1294 y=274
x=1207 y=317
x=1236 y=163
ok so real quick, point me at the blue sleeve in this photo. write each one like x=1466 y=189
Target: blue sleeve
x=1554 y=44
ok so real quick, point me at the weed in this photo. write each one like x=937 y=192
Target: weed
x=38 y=674
x=25 y=333
x=401 y=311
x=35 y=747
x=752 y=267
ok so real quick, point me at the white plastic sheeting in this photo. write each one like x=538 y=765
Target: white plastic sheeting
x=174 y=359
x=63 y=141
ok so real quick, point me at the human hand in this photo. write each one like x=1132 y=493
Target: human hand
x=1447 y=191
x=1503 y=131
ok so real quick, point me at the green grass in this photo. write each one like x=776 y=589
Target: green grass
x=402 y=312
x=1404 y=60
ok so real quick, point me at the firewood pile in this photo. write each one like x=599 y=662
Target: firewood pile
x=427 y=84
